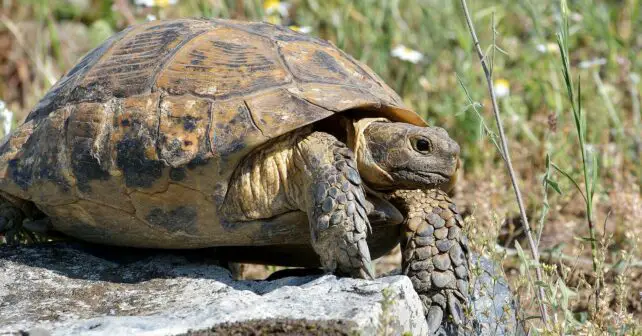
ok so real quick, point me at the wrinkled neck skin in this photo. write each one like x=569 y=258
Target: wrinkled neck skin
x=376 y=178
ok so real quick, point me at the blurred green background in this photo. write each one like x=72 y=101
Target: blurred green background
x=420 y=47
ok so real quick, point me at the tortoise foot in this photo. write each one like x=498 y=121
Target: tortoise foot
x=11 y=219
x=435 y=255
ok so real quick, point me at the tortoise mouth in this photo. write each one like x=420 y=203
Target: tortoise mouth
x=437 y=179
x=444 y=182
x=423 y=180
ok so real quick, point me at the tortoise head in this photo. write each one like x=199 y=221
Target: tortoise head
x=394 y=155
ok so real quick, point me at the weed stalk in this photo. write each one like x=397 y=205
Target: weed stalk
x=589 y=163
x=509 y=165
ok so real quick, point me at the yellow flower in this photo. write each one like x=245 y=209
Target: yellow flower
x=274 y=6
x=502 y=87
x=165 y=3
x=269 y=5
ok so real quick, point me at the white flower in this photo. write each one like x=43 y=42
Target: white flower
x=151 y=17
x=406 y=54
x=6 y=117
x=157 y=3
x=274 y=6
x=144 y=3
x=502 y=88
x=596 y=62
x=546 y=48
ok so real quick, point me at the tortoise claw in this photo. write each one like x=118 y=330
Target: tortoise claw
x=366 y=262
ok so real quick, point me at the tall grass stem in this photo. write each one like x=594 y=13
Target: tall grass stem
x=509 y=165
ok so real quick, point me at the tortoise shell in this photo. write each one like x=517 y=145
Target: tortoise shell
x=148 y=127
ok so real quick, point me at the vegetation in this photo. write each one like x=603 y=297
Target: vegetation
x=567 y=83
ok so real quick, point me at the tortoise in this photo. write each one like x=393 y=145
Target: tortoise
x=273 y=145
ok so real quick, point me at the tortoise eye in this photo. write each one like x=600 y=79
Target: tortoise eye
x=423 y=146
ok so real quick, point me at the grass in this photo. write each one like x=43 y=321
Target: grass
x=589 y=162
x=572 y=118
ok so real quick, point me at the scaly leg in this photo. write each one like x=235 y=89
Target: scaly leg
x=435 y=254
x=336 y=206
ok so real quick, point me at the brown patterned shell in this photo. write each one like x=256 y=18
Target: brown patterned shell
x=168 y=108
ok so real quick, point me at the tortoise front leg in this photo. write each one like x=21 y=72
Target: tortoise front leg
x=435 y=253
x=336 y=206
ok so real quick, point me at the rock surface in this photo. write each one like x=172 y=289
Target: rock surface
x=74 y=289
x=68 y=291
x=492 y=301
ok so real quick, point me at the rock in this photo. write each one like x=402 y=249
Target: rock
x=494 y=306
x=76 y=289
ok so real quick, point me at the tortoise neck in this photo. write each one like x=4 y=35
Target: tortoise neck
x=375 y=177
